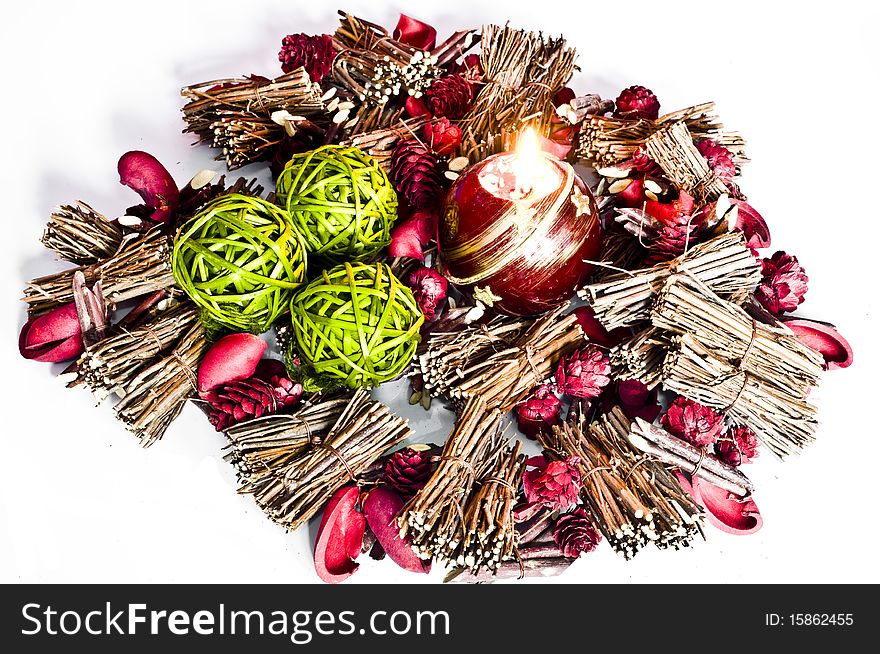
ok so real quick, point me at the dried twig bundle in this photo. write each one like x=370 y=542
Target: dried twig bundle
x=619 y=251
x=724 y=264
x=380 y=143
x=606 y=141
x=291 y=495
x=155 y=397
x=81 y=235
x=641 y=357
x=784 y=422
x=634 y=499
x=499 y=362
x=235 y=114
x=434 y=518
x=111 y=365
x=263 y=446
x=141 y=265
x=773 y=355
x=523 y=71
x=672 y=147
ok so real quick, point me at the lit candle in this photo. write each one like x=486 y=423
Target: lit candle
x=517 y=229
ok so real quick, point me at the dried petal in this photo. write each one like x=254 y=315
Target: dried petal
x=340 y=536
x=233 y=357
x=381 y=508
x=429 y=289
x=143 y=173
x=825 y=339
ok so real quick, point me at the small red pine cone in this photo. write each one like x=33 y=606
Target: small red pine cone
x=691 y=421
x=554 y=484
x=673 y=238
x=737 y=445
x=719 y=158
x=583 y=373
x=539 y=412
x=415 y=173
x=407 y=470
x=429 y=289
x=240 y=400
x=637 y=102
x=451 y=96
x=315 y=53
x=783 y=285
x=644 y=164
x=575 y=533
x=442 y=136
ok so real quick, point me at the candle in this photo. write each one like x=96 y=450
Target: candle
x=517 y=229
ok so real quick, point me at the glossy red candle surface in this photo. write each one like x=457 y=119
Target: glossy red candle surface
x=522 y=253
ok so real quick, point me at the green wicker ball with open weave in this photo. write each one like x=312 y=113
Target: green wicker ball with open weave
x=356 y=325
x=340 y=200
x=240 y=260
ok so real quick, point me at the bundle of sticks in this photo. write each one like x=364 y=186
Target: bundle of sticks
x=236 y=114
x=500 y=362
x=633 y=498
x=464 y=513
x=606 y=141
x=261 y=446
x=672 y=147
x=301 y=485
x=140 y=266
x=522 y=72
x=724 y=264
x=79 y=234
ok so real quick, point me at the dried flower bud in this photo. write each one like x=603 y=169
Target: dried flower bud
x=575 y=533
x=719 y=158
x=429 y=289
x=642 y=163
x=52 y=337
x=315 y=53
x=691 y=421
x=442 y=136
x=539 y=412
x=274 y=373
x=637 y=102
x=783 y=285
x=583 y=373
x=736 y=446
x=554 y=484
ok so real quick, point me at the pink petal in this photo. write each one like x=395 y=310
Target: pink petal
x=340 y=535
x=232 y=357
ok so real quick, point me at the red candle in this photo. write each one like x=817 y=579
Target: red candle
x=517 y=228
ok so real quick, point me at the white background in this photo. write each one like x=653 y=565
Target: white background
x=83 y=84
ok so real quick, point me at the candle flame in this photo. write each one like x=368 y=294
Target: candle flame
x=530 y=165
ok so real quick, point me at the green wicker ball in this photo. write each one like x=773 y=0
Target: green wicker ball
x=239 y=259
x=356 y=326
x=340 y=200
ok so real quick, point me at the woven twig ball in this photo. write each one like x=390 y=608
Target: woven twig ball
x=356 y=326
x=341 y=201
x=239 y=259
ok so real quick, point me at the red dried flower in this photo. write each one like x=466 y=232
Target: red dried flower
x=575 y=533
x=737 y=445
x=693 y=422
x=538 y=412
x=719 y=158
x=429 y=289
x=273 y=372
x=54 y=336
x=442 y=136
x=554 y=484
x=407 y=470
x=583 y=373
x=644 y=164
x=637 y=102
x=315 y=53
x=451 y=96
x=637 y=401
x=784 y=283
x=240 y=400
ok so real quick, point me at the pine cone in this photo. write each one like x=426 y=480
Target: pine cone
x=451 y=96
x=554 y=484
x=575 y=533
x=691 y=421
x=583 y=373
x=637 y=102
x=644 y=164
x=240 y=400
x=784 y=283
x=538 y=412
x=738 y=445
x=673 y=238
x=407 y=470
x=416 y=175
x=719 y=158
x=316 y=53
